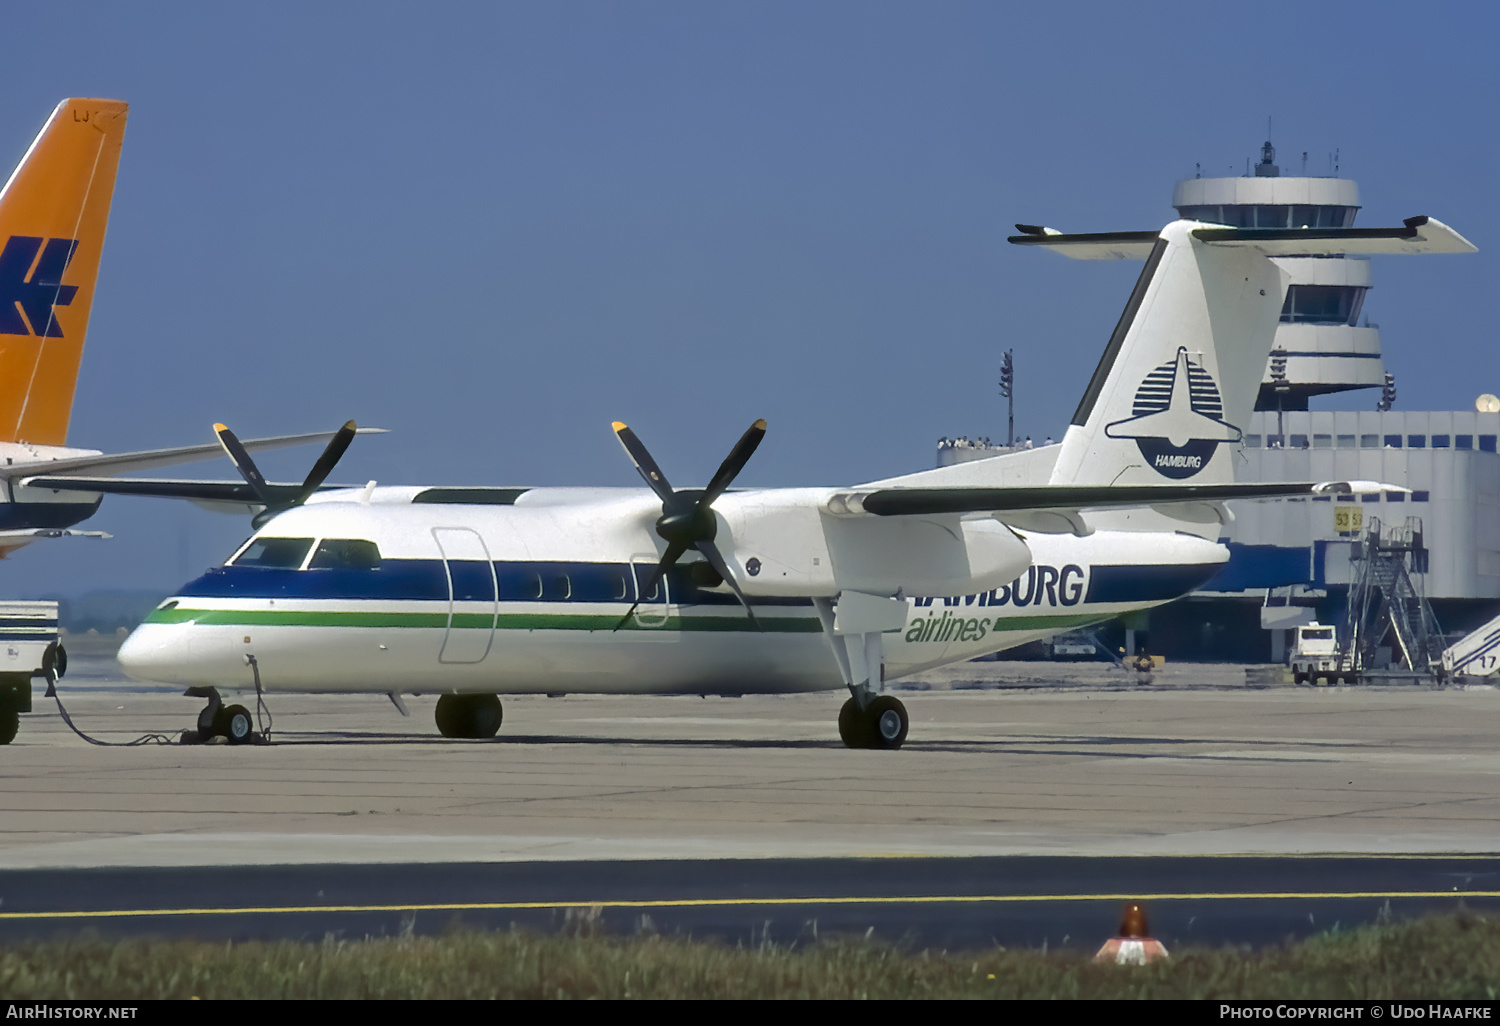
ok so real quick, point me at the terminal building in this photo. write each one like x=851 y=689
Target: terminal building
x=1290 y=559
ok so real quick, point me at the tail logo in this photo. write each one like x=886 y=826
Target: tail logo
x=1177 y=420
x=34 y=287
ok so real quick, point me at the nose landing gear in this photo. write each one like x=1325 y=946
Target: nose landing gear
x=881 y=724
x=233 y=723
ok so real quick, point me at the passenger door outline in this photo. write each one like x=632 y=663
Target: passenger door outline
x=464 y=546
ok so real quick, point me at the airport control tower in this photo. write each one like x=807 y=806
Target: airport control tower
x=1321 y=347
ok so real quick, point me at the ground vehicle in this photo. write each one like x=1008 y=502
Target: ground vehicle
x=27 y=631
x=1315 y=659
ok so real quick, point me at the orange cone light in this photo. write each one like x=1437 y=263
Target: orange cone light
x=1134 y=945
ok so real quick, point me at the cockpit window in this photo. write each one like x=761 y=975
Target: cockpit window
x=346 y=554
x=275 y=553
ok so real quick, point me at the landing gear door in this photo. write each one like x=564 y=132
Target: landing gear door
x=472 y=596
x=652 y=611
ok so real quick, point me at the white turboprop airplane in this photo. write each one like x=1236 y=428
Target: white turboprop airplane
x=471 y=593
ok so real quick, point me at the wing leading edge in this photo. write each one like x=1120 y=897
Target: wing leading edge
x=150 y=459
x=897 y=502
x=237 y=492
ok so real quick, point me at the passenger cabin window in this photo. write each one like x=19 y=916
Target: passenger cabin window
x=346 y=554
x=275 y=553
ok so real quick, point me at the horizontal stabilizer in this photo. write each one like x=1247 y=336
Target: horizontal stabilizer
x=1417 y=235
x=896 y=502
x=150 y=459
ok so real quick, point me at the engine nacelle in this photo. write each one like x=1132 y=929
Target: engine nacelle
x=789 y=547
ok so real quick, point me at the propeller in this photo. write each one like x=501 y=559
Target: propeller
x=266 y=494
x=687 y=519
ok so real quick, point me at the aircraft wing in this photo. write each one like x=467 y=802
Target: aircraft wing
x=233 y=492
x=1417 y=235
x=149 y=459
x=896 y=502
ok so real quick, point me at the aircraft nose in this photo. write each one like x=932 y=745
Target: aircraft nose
x=146 y=654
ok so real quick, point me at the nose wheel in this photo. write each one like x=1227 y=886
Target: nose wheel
x=881 y=724
x=231 y=722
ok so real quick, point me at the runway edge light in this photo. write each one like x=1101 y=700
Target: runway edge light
x=1134 y=945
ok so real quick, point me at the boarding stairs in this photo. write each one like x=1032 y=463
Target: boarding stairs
x=1476 y=654
x=1387 y=604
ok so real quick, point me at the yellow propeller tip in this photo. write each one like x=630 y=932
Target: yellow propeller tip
x=618 y=426
x=761 y=423
x=218 y=428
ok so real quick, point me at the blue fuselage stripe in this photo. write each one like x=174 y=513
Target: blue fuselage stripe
x=569 y=582
x=1151 y=583
x=427 y=580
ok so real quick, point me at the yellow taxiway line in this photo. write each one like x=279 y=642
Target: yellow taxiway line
x=936 y=899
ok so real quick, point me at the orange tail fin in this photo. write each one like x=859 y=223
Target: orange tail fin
x=53 y=213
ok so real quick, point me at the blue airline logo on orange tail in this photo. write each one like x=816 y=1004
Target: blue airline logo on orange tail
x=34 y=292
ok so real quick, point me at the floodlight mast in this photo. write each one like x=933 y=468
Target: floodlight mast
x=1007 y=390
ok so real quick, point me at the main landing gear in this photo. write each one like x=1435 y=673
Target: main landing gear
x=881 y=724
x=469 y=716
x=231 y=722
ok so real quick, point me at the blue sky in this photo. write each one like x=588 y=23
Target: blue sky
x=494 y=228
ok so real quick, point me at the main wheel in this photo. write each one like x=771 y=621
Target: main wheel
x=469 y=716
x=238 y=725
x=887 y=717
x=10 y=722
x=856 y=729
x=485 y=716
x=450 y=715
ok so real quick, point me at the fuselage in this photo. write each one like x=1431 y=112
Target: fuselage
x=23 y=507
x=530 y=595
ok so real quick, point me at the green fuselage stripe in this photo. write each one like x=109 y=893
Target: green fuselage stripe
x=439 y=620
x=477 y=621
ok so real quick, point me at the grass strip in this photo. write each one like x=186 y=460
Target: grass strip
x=1454 y=956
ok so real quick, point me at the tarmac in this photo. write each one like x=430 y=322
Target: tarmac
x=1003 y=759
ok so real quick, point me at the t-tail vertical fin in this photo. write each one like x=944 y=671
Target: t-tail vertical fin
x=1179 y=376
x=53 y=214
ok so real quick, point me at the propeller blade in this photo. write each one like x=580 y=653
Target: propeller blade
x=644 y=464
x=337 y=445
x=716 y=560
x=731 y=467
x=673 y=554
x=243 y=463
